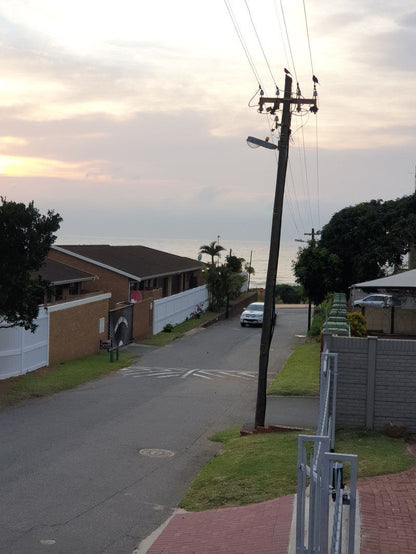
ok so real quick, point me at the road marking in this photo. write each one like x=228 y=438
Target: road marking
x=184 y=373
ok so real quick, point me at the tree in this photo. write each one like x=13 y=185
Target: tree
x=316 y=270
x=212 y=249
x=25 y=239
x=359 y=243
x=224 y=282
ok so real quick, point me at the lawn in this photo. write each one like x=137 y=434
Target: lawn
x=260 y=467
x=179 y=330
x=49 y=380
x=300 y=374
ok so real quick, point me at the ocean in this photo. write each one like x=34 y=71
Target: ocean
x=258 y=250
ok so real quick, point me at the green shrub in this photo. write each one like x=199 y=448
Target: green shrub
x=358 y=324
x=319 y=316
x=168 y=328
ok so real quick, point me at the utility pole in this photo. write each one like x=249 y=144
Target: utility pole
x=412 y=250
x=269 y=295
x=312 y=235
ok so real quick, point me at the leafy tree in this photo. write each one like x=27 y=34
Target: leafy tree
x=224 y=282
x=25 y=239
x=358 y=244
x=316 y=270
x=234 y=263
x=213 y=249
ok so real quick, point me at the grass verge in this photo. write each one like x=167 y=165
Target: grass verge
x=300 y=374
x=178 y=331
x=49 y=380
x=256 y=468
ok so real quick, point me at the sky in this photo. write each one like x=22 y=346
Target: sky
x=130 y=118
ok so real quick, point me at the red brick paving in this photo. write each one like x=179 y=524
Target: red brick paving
x=388 y=513
x=258 y=528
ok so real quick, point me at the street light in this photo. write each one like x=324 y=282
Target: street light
x=254 y=142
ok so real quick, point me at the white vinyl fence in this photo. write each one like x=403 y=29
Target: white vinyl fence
x=22 y=351
x=178 y=307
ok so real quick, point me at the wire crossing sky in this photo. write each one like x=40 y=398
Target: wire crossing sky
x=130 y=118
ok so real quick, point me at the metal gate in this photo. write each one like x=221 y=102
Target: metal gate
x=120 y=325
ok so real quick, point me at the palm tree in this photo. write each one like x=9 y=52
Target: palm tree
x=212 y=249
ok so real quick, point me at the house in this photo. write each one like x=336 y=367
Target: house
x=78 y=318
x=65 y=282
x=71 y=323
x=131 y=273
x=399 y=319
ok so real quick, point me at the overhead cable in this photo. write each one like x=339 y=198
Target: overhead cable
x=243 y=44
x=260 y=44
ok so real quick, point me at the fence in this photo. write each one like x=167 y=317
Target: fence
x=377 y=380
x=322 y=470
x=178 y=307
x=22 y=351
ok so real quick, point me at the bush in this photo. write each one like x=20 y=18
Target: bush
x=319 y=316
x=290 y=294
x=168 y=328
x=357 y=324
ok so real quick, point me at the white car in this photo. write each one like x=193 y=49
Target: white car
x=377 y=301
x=253 y=314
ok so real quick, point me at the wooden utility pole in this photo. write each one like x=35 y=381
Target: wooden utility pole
x=412 y=250
x=269 y=295
x=312 y=235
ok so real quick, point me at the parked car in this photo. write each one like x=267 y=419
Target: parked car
x=253 y=314
x=377 y=301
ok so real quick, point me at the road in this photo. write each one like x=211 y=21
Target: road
x=96 y=469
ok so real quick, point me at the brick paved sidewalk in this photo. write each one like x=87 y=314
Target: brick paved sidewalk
x=388 y=513
x=263 y=527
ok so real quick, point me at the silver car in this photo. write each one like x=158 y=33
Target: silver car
x=377 y=301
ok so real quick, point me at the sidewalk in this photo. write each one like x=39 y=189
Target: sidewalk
x=258 y=528
x=387 y=511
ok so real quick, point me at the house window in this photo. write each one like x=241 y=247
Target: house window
x=101 y=325
x=73 y=289
x=59 y=293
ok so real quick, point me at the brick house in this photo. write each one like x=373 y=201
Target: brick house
x=131 y=272
x=78 y=318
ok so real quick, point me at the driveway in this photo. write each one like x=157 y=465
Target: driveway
x=98 y=468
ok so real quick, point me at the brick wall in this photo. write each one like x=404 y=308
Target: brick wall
x=74 y=327
x=376 y=381
x=143 y=319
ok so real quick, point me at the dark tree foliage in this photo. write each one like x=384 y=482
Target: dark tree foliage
x=234 y=263
x=316 y=270
x=358 y=244
x=224 y=281
x=290 y=294
x=25 y=239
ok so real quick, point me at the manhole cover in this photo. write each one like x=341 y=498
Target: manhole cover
x=156 y=452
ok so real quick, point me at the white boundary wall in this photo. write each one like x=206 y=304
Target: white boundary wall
x=22 y=351
x=176 y=308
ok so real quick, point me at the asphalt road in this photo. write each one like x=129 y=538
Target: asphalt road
x=98 y=468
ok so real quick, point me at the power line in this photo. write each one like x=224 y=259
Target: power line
x=307 y=34
x=288 y=40
x=260 y=44
x=243 y=44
